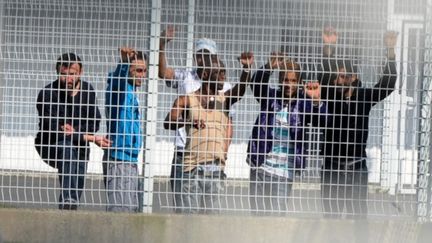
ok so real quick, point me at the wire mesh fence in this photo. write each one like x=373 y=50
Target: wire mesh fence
x=325 y=107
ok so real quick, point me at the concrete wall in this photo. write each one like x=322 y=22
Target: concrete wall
x=56 y=226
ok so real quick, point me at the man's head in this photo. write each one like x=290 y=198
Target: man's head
x=212 y=73
x=346 y=75
x=289 y=78
x=138 y=69
x=69 y=69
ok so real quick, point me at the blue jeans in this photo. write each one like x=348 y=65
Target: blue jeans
x=203 y=191
x=72 y=166
x=268 y=193
x=345 y=189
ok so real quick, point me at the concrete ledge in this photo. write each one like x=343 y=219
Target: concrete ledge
x=22 y=225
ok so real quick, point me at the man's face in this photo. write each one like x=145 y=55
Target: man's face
x=217 y=77
x=137 y=72
x=344 y=80
x=70 y=76
x=289 y=84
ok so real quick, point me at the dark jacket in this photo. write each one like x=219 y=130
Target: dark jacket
x=56 y=108
x=346 y=136
x=302 y=112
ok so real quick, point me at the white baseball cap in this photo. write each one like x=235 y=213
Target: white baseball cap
x=207 y=44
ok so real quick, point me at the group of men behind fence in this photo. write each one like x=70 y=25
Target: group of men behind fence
x=337 y=103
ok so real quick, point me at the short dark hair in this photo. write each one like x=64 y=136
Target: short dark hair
x=66 y=60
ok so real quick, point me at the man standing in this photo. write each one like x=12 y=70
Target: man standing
x=124 y=126
x=344 y=176
x=68 y=119
x=185 y=81
x=277 y=146
x=204 y=114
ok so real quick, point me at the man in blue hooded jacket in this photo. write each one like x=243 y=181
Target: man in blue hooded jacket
x=124 y=126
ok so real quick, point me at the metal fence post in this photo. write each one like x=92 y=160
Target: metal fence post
x=150 y=107
x=2 y=81
x=424 y=207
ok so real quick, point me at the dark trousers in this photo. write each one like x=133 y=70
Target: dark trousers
x=345 y=188
x=176 y=180
x=71 y=163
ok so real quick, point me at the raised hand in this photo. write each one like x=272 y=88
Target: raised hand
x=168 y=34
x=246 y=59
x=329 y=35
x=276 y=60
x=313 y=91
x=390 y=39
x=127 y=53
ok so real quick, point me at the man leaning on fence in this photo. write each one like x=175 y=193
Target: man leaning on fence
x=68 y=119
x=204 y=114
x=124 y=126
x=344 y=176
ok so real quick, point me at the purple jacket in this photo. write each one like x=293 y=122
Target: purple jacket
x=302 y=112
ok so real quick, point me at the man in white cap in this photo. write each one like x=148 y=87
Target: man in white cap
x=186 y=81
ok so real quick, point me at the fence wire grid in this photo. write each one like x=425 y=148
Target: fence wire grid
x=324 y=110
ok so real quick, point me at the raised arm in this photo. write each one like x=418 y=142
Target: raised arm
x=236 y=93
x=387 y=83
x=329 y=37
x=314 y=108
x=165 y=72
x=259 y=82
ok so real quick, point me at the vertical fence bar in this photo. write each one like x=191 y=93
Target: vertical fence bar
x=424 y=180
x=150 y=107
x=190 y=33
x=2 y=81
x=428 y=76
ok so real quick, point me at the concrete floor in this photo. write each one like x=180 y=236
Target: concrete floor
x=41 y=192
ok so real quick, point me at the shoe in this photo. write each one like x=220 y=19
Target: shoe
x=69 y=204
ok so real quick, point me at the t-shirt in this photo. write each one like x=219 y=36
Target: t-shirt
x=280 y=160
